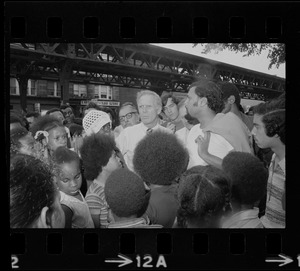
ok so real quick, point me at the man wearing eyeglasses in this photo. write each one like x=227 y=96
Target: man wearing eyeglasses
x=128 y=116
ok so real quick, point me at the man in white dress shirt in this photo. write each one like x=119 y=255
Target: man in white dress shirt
x=149 y=107
x=206 y=141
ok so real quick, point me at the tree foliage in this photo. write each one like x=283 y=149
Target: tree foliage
x=276 y=51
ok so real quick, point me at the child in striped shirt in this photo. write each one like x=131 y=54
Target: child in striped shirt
x=100 y=158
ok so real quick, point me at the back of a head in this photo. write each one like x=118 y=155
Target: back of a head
x=212 y=92
x=94 y=120
x=247 y=175
x=31 y=189
x=15 y=135
x=228 y=89
x=203 y=195
x=64 y=155
x=125 y=194
x=95 y=152
x=159 y=158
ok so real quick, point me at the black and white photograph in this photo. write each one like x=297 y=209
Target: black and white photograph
x=180 y=143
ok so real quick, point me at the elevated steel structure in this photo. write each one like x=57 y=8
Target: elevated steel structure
x=131 y=65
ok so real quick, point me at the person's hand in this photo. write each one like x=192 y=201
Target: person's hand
x=172 y=127
x=203 y=142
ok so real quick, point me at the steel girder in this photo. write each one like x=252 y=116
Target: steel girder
x=134 y=65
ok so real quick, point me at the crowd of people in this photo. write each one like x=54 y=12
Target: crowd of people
x=199 y=162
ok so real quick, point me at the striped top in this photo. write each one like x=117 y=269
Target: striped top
x=244 y=219
x=96 y=201
x=141 y=222
x=275 y=214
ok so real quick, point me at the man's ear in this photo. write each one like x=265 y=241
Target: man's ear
x=43 y=220
x=202 y=101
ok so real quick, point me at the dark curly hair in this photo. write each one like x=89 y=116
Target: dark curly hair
x=95 y=152
x=125 y=193
x=275 y=123
x=159 y=158
x=204 y=197
x=273 y=116
x=247 y=175
x=165 y=97
x=31 y=189
x=15 y=135
x=212 y=92
x=64 y=155
x=45 y=123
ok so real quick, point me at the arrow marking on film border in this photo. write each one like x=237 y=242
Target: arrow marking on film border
x=285 y=260
x=123 y=260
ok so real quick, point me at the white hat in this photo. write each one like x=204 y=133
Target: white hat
x=94 y=120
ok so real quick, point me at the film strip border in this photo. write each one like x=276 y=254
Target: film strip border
x=159 y=22
x=152 y=22
x=135 y=249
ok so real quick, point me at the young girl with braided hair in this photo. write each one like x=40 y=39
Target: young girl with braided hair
x=67 y=170
x=204 y=198
x=50 y=134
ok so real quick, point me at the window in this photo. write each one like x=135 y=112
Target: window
x=31 y=87
x=76 y=90
x=42 y=87
x=58 y=92
x=105 y=92
x=14 y=87
x=82 y=90
x=79 y=90
x=51 y=88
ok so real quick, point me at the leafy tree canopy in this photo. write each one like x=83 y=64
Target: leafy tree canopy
x=276 y=51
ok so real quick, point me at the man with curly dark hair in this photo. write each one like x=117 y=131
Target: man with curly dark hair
x=269 y=132
x=159 y=159
x=218 y=133
x=171 y=110
x=248 y=184
x=100 y=158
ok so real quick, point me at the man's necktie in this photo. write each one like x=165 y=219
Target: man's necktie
x=149 y=131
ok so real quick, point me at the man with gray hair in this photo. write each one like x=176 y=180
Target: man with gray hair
x=149 y=106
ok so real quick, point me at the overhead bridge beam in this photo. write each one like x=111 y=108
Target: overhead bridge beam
x=135 y=61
